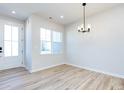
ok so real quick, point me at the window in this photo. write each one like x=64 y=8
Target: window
x=51 y=41
x=45 y=41
x=57 y=42
x=10 y=40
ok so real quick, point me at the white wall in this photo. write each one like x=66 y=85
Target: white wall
x=28 y=44
x=42 y=61
x=103 y=48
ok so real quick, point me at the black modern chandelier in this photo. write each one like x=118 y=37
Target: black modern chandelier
x=83 y=28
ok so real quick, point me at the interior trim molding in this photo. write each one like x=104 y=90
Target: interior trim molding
x=99 y=71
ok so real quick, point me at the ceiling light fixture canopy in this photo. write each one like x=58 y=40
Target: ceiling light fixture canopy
x=61 y=17
x=83 y=28
x=13 y=12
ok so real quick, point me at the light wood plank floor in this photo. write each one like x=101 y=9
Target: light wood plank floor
x=63 y=77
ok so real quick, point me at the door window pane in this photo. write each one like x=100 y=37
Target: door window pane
x=14 y=48
x=7 y=32
x=7 y=48
x=11 y=40
x=14 y=33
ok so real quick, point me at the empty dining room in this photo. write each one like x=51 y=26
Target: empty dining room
x=62 y=46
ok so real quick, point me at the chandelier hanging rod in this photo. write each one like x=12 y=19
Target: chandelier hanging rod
x=83 y=28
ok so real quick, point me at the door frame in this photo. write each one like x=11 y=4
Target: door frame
x=21 y=45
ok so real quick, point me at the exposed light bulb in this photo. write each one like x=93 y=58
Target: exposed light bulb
x=78 y=27
x=88 y=26
x=82 y=26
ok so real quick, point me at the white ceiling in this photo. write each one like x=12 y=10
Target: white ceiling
x=70 y=11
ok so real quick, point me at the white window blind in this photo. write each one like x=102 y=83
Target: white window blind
x=57 y=42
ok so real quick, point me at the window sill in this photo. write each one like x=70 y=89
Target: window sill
x=51 y=54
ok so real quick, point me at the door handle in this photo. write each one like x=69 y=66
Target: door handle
x=0 y=49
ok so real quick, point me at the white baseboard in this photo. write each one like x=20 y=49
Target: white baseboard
x=39 y=69
x=99 y=71
x=10 y=67
x=87 y=68
x=27 y=69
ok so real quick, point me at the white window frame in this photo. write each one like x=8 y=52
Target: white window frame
x=52 y=52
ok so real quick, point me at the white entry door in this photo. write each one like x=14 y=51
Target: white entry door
x=11 y=45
